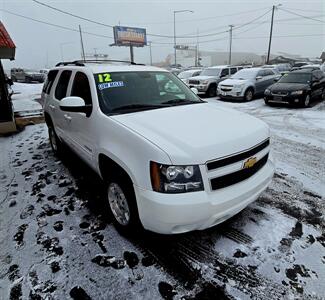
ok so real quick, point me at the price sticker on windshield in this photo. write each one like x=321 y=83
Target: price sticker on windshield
x=107 y=85
x=105 y=77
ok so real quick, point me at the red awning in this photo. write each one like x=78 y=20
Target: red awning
x=7 y=46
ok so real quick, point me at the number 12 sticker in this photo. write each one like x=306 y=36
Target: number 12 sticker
x=104 y=77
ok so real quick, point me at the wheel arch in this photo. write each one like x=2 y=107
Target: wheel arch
x=108 y=166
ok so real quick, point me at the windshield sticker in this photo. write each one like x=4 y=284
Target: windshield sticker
x=106 y=77
x=108 y=85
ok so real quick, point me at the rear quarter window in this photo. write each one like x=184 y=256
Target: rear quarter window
x=49 y=81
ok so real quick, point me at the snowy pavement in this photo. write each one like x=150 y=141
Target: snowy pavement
x=58 y=243
x=26 y=96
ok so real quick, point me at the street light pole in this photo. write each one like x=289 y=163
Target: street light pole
x=230 y=43
x=150 y=53
x=271 y=32
x=175 y=12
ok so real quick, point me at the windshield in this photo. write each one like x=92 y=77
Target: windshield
x=295 y=78
x=122 y=92
x=244 y=74
x=210 y=72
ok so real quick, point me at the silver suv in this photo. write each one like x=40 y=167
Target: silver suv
x=210 y=77
x=18 y=74
x=247 y=83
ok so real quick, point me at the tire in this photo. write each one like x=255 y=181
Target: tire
x=13 y=78
x=212 y=91
x=249 y=94
x=266 y=102
x=28 y=80
x=306 y=101
x=322 y=97
x=56 y=144
x=122 y=204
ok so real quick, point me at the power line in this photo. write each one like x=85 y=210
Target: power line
x=148 y=34
x=302 y=16
x=55 y=25
x=203 y=19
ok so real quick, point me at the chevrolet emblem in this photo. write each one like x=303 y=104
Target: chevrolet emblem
x=250 y=162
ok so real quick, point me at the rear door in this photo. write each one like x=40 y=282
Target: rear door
x=59 y=93
x=317 y=84
x=260 y=84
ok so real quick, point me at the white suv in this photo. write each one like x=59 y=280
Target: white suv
x=172 y=162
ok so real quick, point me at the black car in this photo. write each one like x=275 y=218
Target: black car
x=297 y=88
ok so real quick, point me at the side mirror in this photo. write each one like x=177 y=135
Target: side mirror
x=75 y=104
x=194 y=90
x=259 y=78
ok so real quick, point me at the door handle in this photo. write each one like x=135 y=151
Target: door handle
x=67 y=117
x=51 y=106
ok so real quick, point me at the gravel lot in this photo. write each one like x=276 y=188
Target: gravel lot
x=58 y=243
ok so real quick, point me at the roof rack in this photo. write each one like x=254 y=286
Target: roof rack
x=81 y=63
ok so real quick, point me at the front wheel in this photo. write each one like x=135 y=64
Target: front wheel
x=323 y=95
x=212 y=91
x=249 y=94
x=122 y=204
x=306 y=101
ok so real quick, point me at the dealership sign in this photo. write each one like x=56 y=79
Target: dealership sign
x=130 y=36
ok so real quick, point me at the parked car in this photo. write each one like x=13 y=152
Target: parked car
x=297 y=88
x=207 y=82
x=313 y=67
x=24 y=75
x=298 y=64
x=247 y=83
x=148 y=143
x=185 y=75
x=280 y=68
x=44 y=72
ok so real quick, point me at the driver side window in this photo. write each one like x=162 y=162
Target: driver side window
x=81 y=88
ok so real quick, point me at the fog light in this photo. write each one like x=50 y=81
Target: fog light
x=296 y=100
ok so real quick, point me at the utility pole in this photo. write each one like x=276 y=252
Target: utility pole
x=175 y=38
x=82 y=45
x=197 y=49
x=230 y=43
x=271 y=32
x=150 y=53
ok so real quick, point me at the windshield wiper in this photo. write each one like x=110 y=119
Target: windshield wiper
x=137 y=107
x=180 y=101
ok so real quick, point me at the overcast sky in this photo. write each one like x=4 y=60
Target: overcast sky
x=40 y=44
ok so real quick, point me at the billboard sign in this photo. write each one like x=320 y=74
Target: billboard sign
x=129 y=36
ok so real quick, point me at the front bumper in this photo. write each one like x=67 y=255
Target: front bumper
x=200 y=87
x=232 y=95
x=288 y=99
x=179 y=213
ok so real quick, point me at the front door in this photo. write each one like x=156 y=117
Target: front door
x=80 y=130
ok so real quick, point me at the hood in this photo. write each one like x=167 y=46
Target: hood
x=231 y=81
x=288 y=87
x=195 y=134
x=204 y=77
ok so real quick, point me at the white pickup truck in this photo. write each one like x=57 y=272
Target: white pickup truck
x=172 y=162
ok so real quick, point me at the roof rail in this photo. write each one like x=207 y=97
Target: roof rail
x=81 y=63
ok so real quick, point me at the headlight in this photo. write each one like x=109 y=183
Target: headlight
x=267 y=92
x=204 y=82
x=300 y=92
x=239 y=86
x=175 y=179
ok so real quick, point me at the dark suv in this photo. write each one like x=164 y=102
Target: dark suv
x=298 y=87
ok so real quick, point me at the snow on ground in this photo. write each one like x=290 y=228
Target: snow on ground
x=25 y=96
x=58 y=243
